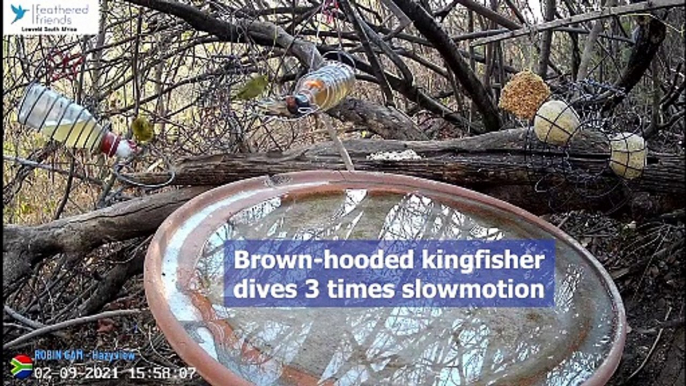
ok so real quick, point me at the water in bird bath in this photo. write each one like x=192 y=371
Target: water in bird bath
x=562 y=345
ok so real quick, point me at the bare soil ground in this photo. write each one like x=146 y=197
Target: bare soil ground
x=651 y=281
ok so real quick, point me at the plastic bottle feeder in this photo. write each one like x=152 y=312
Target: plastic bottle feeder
x=579 y=341
x=72 y=125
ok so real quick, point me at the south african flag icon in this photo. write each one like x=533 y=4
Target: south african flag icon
x=22 y=366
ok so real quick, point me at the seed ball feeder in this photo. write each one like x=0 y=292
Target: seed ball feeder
x=629 y=155
x=555 y=122
x=524 y=94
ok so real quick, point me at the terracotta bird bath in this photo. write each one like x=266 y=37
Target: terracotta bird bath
x=579 y=341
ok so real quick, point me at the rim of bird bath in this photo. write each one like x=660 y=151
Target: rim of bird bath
x=249 y=192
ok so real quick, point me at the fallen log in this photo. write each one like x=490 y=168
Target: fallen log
x=23 y=247
x=488 y=163
x=494 y=163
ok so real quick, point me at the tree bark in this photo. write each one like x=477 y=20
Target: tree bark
x=23 y=246
x=651 y=34
x=484 y=162
x=547 y=41
x=585 y=63
x=591 y=40
x=649 y=37
x=383 y=121
x=490 y=14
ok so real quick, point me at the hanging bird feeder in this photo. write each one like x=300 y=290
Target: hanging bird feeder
x=555 y=122
x=319 y=90
x=60 y=119
x=629 y=155
x=70 y=124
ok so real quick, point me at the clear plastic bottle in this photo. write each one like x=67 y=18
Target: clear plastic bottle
x=327 y=86
x=60 y=119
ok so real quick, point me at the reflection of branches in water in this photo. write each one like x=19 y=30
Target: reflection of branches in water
x=393 y=345
x=396 y=345
x=564 y=295
x=354 y=215
x=401 y=349
x=358 y=216
x=354 y=340
x=419 y=217
x=418 y=346
x=254 y=220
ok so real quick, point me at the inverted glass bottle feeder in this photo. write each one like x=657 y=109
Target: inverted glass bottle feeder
x=579 y=341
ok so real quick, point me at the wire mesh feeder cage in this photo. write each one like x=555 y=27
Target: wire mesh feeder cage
x=576 y=150
x=628 y=157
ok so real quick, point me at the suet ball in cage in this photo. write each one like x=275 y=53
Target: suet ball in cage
x=629 y=155
x=555 y=123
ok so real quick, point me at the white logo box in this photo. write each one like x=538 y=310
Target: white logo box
x=65 y=17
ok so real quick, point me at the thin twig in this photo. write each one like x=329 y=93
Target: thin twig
x=67 y=190
x=660 y=326
x=606 y=12
x=31 y=323
x=564 y=220
x=72 y=167
x=15 y=325
x=37 y=165
x=14 y=314
x=374 y=61
x=337 y=142
x=652 y=349
x=68 y=323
